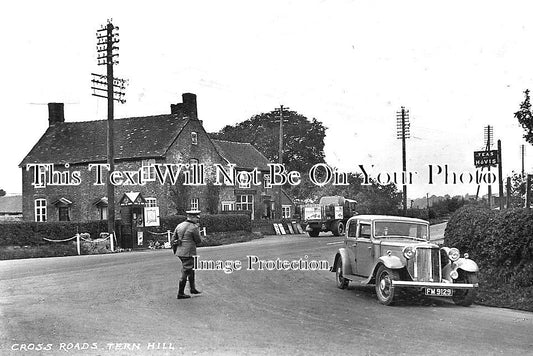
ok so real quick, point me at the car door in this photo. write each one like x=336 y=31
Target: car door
x=351 y=242
x=364 y=251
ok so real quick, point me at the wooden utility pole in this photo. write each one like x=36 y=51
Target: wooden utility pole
x=279 y=211
x=508 y=205
x=403 y=132
x=110 y=88
x=529 y=177
x=489 y=134
x=523 y=154
x=500 y=178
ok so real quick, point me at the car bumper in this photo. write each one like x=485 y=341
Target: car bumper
x=401 y=284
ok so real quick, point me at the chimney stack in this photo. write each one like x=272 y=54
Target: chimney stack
x=187 y=107
x=56 y=113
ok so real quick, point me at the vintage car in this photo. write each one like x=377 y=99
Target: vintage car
x=394 y=252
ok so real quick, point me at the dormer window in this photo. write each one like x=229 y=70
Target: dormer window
x=148 y=170
x=194 y=138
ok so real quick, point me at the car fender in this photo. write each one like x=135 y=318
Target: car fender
x=467 y=265
x=392 y=262
x=343 y=255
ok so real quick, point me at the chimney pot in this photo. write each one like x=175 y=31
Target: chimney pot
x=56 y=113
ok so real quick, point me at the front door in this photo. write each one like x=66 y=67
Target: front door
x=364 y=252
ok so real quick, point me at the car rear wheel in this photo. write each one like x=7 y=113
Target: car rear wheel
x=384 y=287
x=342 y=282
x=465 y=297
x=314 y=232
x=338 y=228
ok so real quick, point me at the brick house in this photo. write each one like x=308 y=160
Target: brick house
x=140 y=143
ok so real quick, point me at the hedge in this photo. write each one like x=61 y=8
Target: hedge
x=501 y=243
x=32 y=233
x=212 y=223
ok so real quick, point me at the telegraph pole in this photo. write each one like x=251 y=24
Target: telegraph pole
x=112 y=89
x=500 y=177
x=489 y=135
x=280 y=160
x=523 y=149
x=403 y=132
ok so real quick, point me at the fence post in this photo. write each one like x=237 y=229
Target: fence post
x=78 y=243
x=168 y=236
x=112 y=241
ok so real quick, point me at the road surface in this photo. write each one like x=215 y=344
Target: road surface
x=125 y=304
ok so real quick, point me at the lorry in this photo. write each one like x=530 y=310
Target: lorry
x=330 y=214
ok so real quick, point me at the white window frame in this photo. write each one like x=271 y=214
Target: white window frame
x=194 y=138
x=195 y=204
x=40 y=209
x=103 y=212
x=286 y=211
x=148 y=170
x=245 y=185
x=228 y=205
x=150 y=202
x=249 y=201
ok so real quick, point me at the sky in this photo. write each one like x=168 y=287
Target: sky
x=457 y=67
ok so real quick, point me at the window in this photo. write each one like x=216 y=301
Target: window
x=352 y=228
x=150 y=202
x=286 y=211
x=364 y=230
x=64 y=213
x=245 y=202
x=103 y=212
x=228 y=205
x=244 y=181
x=40 y=210
x=195 y=204
x=148 y=170
x=194 y=138
x=266 y=181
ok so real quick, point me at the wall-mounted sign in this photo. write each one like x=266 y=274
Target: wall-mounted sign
x=151 y=216
x=486 y=158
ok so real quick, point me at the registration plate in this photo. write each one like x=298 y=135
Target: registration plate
x=440 y=292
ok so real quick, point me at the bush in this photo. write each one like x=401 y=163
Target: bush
x=28 y=233
x=501 y=243
x=212 y=223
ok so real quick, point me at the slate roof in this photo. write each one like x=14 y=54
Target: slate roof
x=243 y=155
x=83 y=142
x=11 y=204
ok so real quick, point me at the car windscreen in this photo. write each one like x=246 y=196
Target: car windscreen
x=400 y=229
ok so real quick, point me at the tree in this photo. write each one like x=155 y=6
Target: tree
x=303 y=142
x=525 y=117
x=2 y=192
x=378 y=199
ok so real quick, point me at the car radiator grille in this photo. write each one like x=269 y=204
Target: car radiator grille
x=425 y=266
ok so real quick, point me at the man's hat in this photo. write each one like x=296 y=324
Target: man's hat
x=193 y=212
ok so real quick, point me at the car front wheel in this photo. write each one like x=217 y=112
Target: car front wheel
x=384 y=287
x=342 y=282
x=465 y=297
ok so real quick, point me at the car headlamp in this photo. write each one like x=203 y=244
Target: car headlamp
x=453 y=254
x=408 y=252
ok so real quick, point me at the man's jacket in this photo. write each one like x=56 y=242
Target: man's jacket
x=189 y=235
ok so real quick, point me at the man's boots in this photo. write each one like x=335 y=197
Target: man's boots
x=192 y=284
x=181 y=290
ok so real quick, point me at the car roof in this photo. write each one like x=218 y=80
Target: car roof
x=387 y=218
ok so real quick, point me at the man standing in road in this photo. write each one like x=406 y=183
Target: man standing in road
x=186 y=236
